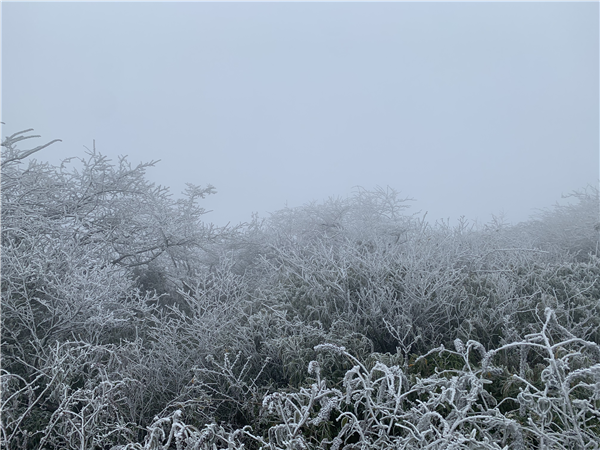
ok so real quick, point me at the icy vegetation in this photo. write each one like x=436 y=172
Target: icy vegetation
x=128 y=323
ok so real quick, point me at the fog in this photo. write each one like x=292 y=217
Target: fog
x=472 y=109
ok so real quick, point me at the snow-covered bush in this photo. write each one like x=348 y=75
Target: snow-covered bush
x=573 y=227
x=128 y=323
x=70 y=236
x=386 y=407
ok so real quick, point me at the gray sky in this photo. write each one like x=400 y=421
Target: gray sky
x=470 y=108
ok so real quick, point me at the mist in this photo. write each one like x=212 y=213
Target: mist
x=471 y=109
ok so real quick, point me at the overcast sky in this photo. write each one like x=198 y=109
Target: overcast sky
x=470 y=108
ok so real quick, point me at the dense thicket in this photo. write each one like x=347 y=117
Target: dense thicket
x=128 y=322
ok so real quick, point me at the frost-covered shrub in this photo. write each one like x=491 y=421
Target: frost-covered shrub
x=572 y=227
x=75 y=398
x=386 y=407
x=127 y=322
x=512 y=301
x=70 y=236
